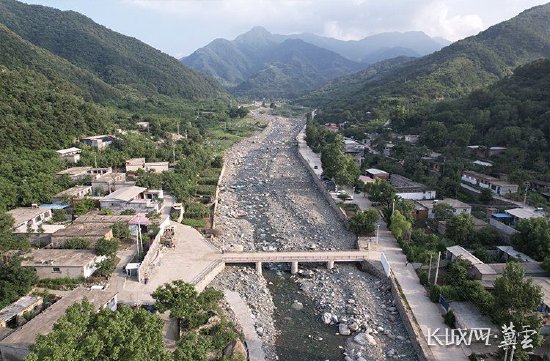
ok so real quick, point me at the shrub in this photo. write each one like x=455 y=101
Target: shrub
x=435 y=292
x=450 y=319
x=76 y=243
x=423 y=275
x=128 y=212
x=106 y=267
x=60 y=283
x=196 y=210
x=196 y=223
x=121 y=230
x=205 y=189
x=106 y=212
x=105 y=247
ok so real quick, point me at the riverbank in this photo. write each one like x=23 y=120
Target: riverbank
x=268 y=201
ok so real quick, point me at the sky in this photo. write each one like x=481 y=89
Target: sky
x=179 y=27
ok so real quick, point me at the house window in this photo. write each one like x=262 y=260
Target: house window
x=56 y=270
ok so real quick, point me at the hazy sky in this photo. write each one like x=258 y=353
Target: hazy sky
x=178 y=27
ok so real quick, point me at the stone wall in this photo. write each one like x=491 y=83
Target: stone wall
x=332 y=203
x=153 y=254
x=215 y=205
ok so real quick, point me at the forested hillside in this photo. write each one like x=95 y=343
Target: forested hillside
x=122 y=61
x=452 y=72
x=514 y=113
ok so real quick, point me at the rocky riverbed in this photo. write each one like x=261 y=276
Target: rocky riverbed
x=268 y=202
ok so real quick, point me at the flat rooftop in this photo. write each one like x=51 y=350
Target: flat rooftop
x=43 y=323
x=125 y=194
x=511 y=251
x=12 y=310
x=105 y=219
x=73 y=191
x=455 y=203
x=530 y=268
x=110 y=177
x=25 y=214
x=79 y=229
x=68 y=151
x=524 y=213
x=58 y=257
x=460 y=252
x=404 y=183
x=74 y=171
x=376 y=171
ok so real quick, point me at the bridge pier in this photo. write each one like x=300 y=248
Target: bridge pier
x=259 y=268
x=294 y=267
x=330 y=264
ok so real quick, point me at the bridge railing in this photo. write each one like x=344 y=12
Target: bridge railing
x=291 y=258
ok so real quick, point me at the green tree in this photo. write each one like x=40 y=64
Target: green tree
x=104 y=247
x=184 y=303
x=363 y=223
x=443 y=211
x=83 y=334
x=460 y=229
x=399 y=225
x=15 y=281
x=485 y=196
x=533 y=237
x=516 y=299
x=381 y=191
x=121 y=231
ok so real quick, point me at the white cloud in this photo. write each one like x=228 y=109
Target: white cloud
x=435 y=20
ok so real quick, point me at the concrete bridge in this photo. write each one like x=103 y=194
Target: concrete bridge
x=294 y=258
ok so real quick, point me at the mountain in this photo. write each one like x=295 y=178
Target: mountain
x=451 y=72
x=121 y=61
x=379 y=47
x=259 y=63
x=294 y=68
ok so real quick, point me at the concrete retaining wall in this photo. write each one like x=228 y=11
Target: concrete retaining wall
x=339 y=212
x=215 y=205
x=152 y=257
x=208 y=275
x=418 y=340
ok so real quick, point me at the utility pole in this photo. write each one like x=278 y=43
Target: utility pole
x=430 y=269
x=437 y=269
x=377 y=233
x=95 y=159
x=525 y=195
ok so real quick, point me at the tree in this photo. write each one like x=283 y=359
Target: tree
x=399 y=225
x=363 y=223
x=184 y=303
x=460 y=229
x=84 y=206
x=83 y=334
x=15 y=281
x=381 y=191
x=516 y=299
x=443 y=211
x=104 y=247
x=76 y=243
x=121 y=231
x=485 y=196
x=533 y=237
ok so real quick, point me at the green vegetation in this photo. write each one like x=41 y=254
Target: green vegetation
x=400 y=226
x=196 y=223
x=61 y=283
x=363 y=223
x=533 y=238
x=85 y=334
x=201 y=336
x=15 y=281
x=104 y=247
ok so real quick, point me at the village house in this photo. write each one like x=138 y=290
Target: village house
x=487 y=182
x=29 y=218
x=60 y=263
x=87 y=231
x=542 y=187
x=16 y=346
x=354 y=149
x=457 y=206
x=505 y=253
x=99 y=141
x=76 y=173
x=388 y=149
x=333 y=127
x=13 y=315
x=484 y=151
x=138 y=198
x=377 y=174
x=76 y=192
x=110 y=182
x=408 y=189
x=72 y=155
x=135 y=164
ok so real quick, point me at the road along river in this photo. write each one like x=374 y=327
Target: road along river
x=269 y=202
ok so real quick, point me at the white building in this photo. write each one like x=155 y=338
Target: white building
x=60 y=263
x=29 y=218
x=70 y=154
x=138 y=198
x=487 y=182
x=457 y=206
x=135 y=164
